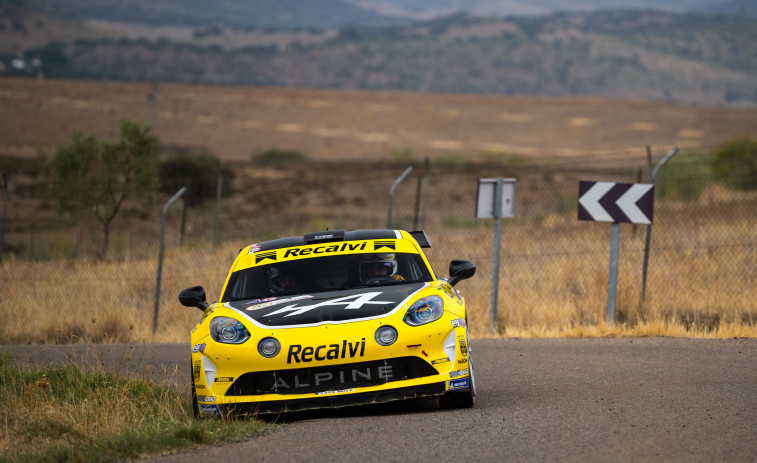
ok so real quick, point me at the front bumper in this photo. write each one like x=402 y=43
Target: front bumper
x=341 y=368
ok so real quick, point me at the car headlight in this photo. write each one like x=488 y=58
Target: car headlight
x=269 y=347
x=386 y=335
x=424 y=311
x=228 y=331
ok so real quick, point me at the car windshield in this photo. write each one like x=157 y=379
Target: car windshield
x=330 y=273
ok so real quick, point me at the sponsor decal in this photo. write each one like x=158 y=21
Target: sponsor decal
x=462 y=361
x=205 y=315
x=254 y=248
x=447 y=290
x=260 y=306
x=346 y=246
x=453 y=374
x=336 y=377
x=224 y=379
x=268 y=302
x=199 y=386
x=339 y=306
x=206 y=398
x=458 y=323
x=383 y=244
x=210 y=409
x=440 y=361
x=265 y=255
x=323 y=237
x=335 y=392
x=463 y=344
x=353 y=302
x=196 y=370
x=457 y=384
x=326 y=352
x=198 y=348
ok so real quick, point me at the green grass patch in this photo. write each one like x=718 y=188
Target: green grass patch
x=69 y=414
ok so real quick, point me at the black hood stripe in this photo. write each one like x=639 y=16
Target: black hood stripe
x=348 y=306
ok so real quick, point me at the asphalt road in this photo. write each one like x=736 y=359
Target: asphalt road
x=658 y=399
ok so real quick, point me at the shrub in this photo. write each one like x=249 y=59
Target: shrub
x=735 y=164
x=405 y=154
x=198 y=172
x=280 y=155
x=684 y=178
x=453 y=160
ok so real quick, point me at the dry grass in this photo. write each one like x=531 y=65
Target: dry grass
x=553 y=282
x=236 y=122
x=72 y=414
x=553 y=287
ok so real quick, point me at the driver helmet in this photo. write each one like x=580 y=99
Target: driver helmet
x=281 y=280
x=386 y=261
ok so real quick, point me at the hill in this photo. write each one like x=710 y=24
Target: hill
x=320 y=14
x=425 y=9
x=263 y=14
x=683 y=58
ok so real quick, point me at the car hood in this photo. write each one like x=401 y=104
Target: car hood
x=327 y=307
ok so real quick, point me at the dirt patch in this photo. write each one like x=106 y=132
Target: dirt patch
x=235 y=122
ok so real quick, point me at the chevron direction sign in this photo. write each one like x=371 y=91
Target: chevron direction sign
x=616 y=202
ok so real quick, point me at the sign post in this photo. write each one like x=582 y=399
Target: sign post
x=615 y=203
x=495 y=200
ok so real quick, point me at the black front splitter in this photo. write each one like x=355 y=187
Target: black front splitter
x=333 y=401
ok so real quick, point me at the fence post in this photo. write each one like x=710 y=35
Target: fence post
x=648 y=239
x=5 y=210
x=424 y=198
x=391 y=194
x=160 y=256
x=152 y=98
x=421 y=195
x=417 y=210
x=219 y=190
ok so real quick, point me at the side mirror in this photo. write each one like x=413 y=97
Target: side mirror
x=460 y=270
x=194 y=297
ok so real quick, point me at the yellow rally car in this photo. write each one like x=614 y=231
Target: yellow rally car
x=332 y=319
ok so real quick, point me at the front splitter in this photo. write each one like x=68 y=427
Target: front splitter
x=335 y=401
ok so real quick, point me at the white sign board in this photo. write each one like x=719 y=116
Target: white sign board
x=485 y=199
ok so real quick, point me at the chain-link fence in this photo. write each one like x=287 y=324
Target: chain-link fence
x=554 y=268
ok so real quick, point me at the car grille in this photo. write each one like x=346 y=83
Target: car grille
x=330 y=378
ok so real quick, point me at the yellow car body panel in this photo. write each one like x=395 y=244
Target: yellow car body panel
x=329 y=352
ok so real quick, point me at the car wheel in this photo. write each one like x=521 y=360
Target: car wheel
x=465 y=398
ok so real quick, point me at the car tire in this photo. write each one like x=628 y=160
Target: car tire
x=464 y=398
x=195 y=406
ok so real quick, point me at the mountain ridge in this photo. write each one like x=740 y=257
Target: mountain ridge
x=649 y=55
